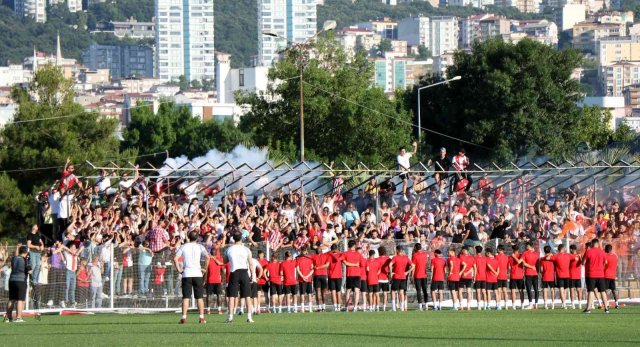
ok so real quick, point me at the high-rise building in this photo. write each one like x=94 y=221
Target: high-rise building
x=122 y=61
x=73 y=5
x=36 y=9
x=444 y=35
x=185 y=39
x=292 y=21
x=414 y=30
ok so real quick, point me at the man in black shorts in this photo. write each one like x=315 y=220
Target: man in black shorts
x=241 y=266
x=321 y=264
x=594 y=260
x=20 y=270
x=190 y=269
x=335 y=276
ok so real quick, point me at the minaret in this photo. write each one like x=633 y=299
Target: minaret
x=35 y=60
x=58 y=51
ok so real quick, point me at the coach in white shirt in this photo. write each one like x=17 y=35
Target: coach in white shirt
x=242 y=271
x=191 y=269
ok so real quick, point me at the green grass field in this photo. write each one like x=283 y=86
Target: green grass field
x=523 y=328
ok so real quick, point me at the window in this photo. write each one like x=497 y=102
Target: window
x=241 y=77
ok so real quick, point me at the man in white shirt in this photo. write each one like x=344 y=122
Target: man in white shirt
x=404 y=165
x=188 y=263
x=242 y=272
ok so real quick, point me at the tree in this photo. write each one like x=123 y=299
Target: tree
x=385 y=46
x=345 y=117
x=514 y=100
x=196 y=84
x=423 y=53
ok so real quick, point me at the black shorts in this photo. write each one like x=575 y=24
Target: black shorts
x=384 y=287
x=320 y=282
x=192 y=285
x=239 y=283
x=214 y=289
x=577 y=284
x=516 y=284
x=453 y=285
x=595 y=283
x=437 y=285
x=254 y=290
x=306 y=288
x=264 y=288
x=403 y=176
x=275 y=289
x=480 y=285
x=17 y=290
x=466 y=283
x=127 y=272
x=502 y=284
x=375 y=288
x=353 y=282
x=563 y=283
x=491 y=285
x=397 y=285
x=548 y=284
x=363 y=286
x=335 y=284
x=610 y=284
x=291 y=289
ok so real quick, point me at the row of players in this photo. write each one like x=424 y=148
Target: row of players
x=492 y=275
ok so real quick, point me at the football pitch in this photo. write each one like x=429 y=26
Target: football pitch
x=522 y=328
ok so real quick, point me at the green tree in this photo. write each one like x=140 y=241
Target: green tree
x=423 y=53
x=514 y=100
x=345 y=118
x=624 y=133
x=385 y=46
x=16 y=210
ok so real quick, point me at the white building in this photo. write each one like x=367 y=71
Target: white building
x=36 y=9
x=290 y=20
x=414 y=30
x=354 y=39
x=572 y=14
x=14 y=74
x=444 y=35
x=73 y=5
x=229 y=81
x=185 y=39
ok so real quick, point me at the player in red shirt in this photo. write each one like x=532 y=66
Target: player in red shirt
x=492 y=279
x=419 y=260
x=610 y=272
x=575 y=272
x=214 y=278
x=562 y=262
x=516 y=276
x=321 y=262
x=275 y=283
x=466 y=276
x=364 y=288
x=503 y=266
x=548 y=270
x=288 y=272
x=437 y=279
x=400 y=267
x=453 y=280
x=383 y=278
x=593 y=260
x=263 y=286
x=530 y=260
x=480 y=270
x=373 y=281
x=304 y=269
x=335 y=276
x=351 y=259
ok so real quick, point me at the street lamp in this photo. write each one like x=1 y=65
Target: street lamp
x=456 y=78
x=326 y=26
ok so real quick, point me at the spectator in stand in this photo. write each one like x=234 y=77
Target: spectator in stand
x=404 y=166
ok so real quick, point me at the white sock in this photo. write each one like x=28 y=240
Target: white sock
x=184 y=316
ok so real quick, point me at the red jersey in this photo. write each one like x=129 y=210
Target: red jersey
x=481 y=267
x=454 y=269
x=227 y=267
x=469 y=261
x=561 y=262
x=503 y=265
x=158 y=273
x=363 y=269
x=288 y=270
x=419 y=259
x=352 y=257
x=611 y=267
x=304 y=265
x=575 y=267
x=372 y=269
x=400 y=263
x=547 y=266
x=437 y=269
x=318 y=261
x=384 y=268
x=594 y=259
x=263 y=264
x=274 y=272
x=214 y=275
x=517 y=270
x=531 y=258
x=492 y=277
x=335 y=265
